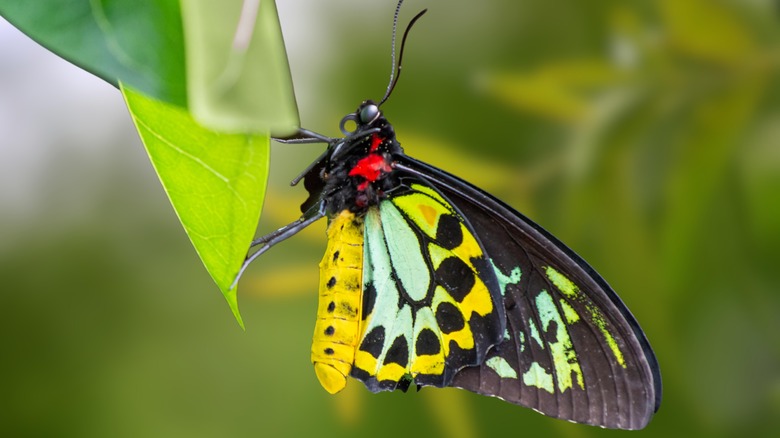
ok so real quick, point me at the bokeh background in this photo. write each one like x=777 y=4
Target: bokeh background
x=645 y=134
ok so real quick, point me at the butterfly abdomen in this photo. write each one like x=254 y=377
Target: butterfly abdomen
x=337 y=330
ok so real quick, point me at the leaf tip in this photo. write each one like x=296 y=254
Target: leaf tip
x=232 y=299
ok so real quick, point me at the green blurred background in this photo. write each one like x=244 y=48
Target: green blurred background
x=645 y=134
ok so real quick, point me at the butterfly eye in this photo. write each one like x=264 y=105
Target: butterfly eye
x=368 y=114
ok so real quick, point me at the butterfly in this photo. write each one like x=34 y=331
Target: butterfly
x=429 y=281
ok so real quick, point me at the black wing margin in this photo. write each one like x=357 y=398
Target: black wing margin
x=572 y=349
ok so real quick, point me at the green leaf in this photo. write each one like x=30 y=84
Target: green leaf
x=236 y=76
x=137 y=42
x=216 y=183
x=239 y=79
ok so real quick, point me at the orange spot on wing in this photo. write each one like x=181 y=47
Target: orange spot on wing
x=428 y=213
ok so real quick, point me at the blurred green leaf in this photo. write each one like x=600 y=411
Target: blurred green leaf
x=136 y=42
x=557 y=91
x=760 y=177
x=706 y=150
x=708 y=30
x=215 y=182
x=237 y=70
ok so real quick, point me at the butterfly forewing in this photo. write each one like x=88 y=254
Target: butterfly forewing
x=571 y=349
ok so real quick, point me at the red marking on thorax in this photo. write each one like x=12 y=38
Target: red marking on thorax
x=371 y=166
x=375 y=142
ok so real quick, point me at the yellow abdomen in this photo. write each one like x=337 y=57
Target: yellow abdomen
x=337 y=330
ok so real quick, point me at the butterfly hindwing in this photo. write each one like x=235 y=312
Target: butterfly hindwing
x=431 y=302
x=571 y=349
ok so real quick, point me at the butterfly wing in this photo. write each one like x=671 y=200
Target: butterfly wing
x=431 y=299
x=571 y=349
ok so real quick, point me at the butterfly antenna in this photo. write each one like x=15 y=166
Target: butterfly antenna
x=395 y=69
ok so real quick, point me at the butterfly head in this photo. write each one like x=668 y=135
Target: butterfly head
x=368 y=112
x=368 y=117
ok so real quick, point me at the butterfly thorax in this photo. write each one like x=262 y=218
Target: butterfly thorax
x=358 y=173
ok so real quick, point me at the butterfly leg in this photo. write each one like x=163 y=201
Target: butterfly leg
x=305 y=136
x=312 y=215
